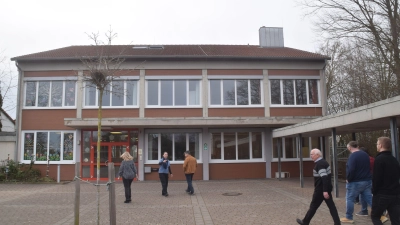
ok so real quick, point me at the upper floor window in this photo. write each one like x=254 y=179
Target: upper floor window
x=235 y=92
x=173 y=93
x=294 y=92
x=120 y=93
x=50 y=93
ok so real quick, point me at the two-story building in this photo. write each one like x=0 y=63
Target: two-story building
x=221 y=102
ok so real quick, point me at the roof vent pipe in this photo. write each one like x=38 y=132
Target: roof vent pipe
x=271 y=37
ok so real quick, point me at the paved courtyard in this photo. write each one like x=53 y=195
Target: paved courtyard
x=264 y=201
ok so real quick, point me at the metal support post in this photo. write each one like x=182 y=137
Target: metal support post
x=111 y=194
x=394 y=137
x=323 y=147
x=279 y=157
x=300 y=152
x=335 y=163
x=353 y=136
x=77 y=193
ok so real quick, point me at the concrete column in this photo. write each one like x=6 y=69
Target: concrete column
x=205 y=154
x=268 y=151
x=335 y=163
x=204 y=92
x=279 y=157
x=79 y=94
x=18 y=151
x=141 y=148
x=394 y=137
x=142 y=93
x=300 y=152
x=78 y=145
x=323 y=93
x=265 y=84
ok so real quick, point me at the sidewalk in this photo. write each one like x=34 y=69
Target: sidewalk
x=265 y=201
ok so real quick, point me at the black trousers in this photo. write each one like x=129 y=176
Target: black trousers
x=382 y=202
x=127 y=187
x=317 y=199
x=164 y=182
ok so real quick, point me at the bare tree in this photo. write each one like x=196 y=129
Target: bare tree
x=8 y=86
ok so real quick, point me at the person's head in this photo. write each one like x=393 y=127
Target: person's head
x=315 y=154
x=165 y=155
x=352 y=146
x=383 y=144
x=126 y=156
x=187 y=153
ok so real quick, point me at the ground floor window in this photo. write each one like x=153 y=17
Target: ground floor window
x=48 y=145
x=288 y=147
x=236 y=145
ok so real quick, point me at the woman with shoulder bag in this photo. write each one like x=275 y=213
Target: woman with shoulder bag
x=128 y=172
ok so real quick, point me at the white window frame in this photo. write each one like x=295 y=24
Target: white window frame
x=283 y=156
x=235 y=79
x=62 y=161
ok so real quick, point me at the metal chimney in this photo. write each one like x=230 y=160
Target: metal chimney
x=271 y=37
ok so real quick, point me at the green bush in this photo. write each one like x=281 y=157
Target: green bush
x=19 y=172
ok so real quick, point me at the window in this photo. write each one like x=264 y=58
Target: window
x=46 y=145
x=236 y=146
x=235 y=92
x=175 y=144
x=166 y=93
x=289 y=147
x=120 y=93
x=294 y=92
x=50 y=93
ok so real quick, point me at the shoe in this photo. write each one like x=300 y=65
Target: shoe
x=166 y=195
x=127 y=201
x=345 y=220
x=361 y=213
x=384 y=219
x=187 y=191
x=191 y=193
x=299 y=221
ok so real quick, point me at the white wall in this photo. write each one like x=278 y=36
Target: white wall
x=7 y=147
x=8 y=126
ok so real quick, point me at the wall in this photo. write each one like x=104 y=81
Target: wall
x=177 y=171
x=67 y=172
x=220 y=171
x=7 y=147
x=293 y=168
x=8 y=126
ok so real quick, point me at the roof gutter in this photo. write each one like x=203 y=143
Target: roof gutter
x=18 y=113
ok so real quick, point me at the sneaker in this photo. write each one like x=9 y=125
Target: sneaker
x=345 y=220
x=384 y=219
x=361 y=213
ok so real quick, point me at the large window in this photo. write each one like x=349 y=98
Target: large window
x=120 y=93
x=50 y=93
x=174 y=143
x=235 y=92
x=289 y=147
x=236 y=146
x=48 y=145
x=166 y=93
x=294 y=92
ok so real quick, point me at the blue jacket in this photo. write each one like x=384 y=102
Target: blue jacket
x=164 y=166
x=357 y=167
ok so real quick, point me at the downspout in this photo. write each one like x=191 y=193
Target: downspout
x=18 y=113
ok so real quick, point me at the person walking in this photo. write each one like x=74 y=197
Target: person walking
x=128 y=172
x=385 y=184
x=358 y=179
x=165 y=168
x=189 y=168
x=364 y=204
x=322 y=189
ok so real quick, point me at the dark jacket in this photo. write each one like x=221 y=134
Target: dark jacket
x=358 y=167
x=322 y=176
x=386 y=175
x=127 y=170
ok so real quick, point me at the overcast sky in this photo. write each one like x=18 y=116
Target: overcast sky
x=34 y=26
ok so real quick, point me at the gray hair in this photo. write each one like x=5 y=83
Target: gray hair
x=317 y=151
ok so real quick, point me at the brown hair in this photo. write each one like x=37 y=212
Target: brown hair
x=353 y=144
x=385 y=142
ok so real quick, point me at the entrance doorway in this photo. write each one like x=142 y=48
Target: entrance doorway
x=113 y=144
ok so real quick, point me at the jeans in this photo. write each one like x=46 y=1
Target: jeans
x=382 y=202
x=164 y=182
x=317 y=199
x=127 y=187
x=353 y=189
x=189 y=178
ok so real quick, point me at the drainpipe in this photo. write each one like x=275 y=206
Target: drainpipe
x=18 y=113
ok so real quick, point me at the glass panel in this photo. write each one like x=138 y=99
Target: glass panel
x=55 y=146
x=243 y=145
x=305 y=148
x=229 y=92
x=106 y=100
x=166 y=92
x=242 y=90
x=56 y=93
x=117 y=93
x=103 y=171
x=152 y=92
x=30 y=97
x=116 y=136
x=134 y=145
x=90 y=96
x=315 y=143
x=103 y=154
x=256 y=145
x=166 y=145
x=313 y=92
x=194 y=145
x=152 y=144
x=69 y=93
x=194 y=92
x=41 y=146
x=44 y=91
x=215 y=146
x=28 y=145
x=229 y=146
x=215 y=92
x=301 y=92
x=180 y=92
x=85 y=171
x=116 y=152
x=275 y=92
x=288 y=92
x=68 y=146
x=255 y=87
x=275 y=142
x=131 y=92
x=86 y=146
x=290 y=148
x=180 y=146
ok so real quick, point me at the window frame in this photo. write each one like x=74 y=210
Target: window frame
x=283 y=156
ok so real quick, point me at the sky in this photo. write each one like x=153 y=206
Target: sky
x=34 y=26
